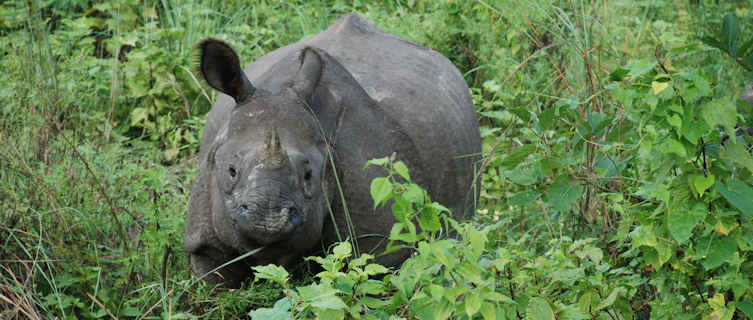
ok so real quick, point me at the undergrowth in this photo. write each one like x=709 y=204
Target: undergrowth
x=616 y=179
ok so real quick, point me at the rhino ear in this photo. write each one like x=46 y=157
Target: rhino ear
x=222 y=70
x=309 y=73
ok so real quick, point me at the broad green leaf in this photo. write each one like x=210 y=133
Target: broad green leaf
x=428 y=220
x=472 y=303
x=700 y=183
x=139 y=116
x=745 y=307
x=659 y=86
x=378 y=162
x=402 y=209
x=524 y=198
x=675 y=121
x=402 y=170
x=739 y=194
x=720 y=310
x=271 y=272
x=373 y=269
x=664 y=252
x=478 y=241
x=381 y=189
x=721 y=250
x=517 y=156
x=436 y=291
x=342 y=250
x=562 y=193
x=730 y=31
x=736 y=152
x=572 y=312
x=618 y=74
x=320 y=296
x=681 y=220
x=641 y=67
x=644 y=236
x=539 y=309
x=549 y=165
x=693 y=128
x=522 y=177
x=547 y=118
x=280 y=311
x=675 y=147
x=720 y=112
x=488 y=311
x=611 y=298
x=332 y=314
x=414 y=193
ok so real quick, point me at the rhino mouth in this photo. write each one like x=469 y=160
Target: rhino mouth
x=267 y=225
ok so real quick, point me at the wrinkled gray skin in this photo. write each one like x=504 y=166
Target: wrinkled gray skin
x=264 y=176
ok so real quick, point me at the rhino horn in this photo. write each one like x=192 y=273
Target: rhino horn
x=271 y=154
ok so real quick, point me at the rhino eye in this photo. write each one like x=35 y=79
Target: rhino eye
x=307 y=175
x=232 y=172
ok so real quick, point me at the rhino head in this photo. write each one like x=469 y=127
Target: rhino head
x=266 y=167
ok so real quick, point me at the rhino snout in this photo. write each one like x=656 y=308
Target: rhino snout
x=266 y=225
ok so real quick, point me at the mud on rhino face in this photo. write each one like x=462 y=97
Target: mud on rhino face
x=267 y=163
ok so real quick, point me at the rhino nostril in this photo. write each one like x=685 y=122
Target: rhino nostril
x=294 y=217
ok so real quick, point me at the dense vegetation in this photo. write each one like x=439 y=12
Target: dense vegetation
x=617 y=174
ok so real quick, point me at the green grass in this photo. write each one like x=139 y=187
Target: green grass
x=101 y=110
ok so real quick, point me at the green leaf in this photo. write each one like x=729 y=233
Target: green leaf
x=402 y=209
x=414 y=193
x=700 y=183
x=730 y=31
x=547 y=118
x=720 y=112
x=519 y=176
x=675 y=147
x=641 y=67
x=746 y=307
x=472 y=303
x=682 y=220
x=478 y=242
x=139 y=116
x=739 y=194
x=488 y=311
x=618 y=74
x=721 y=250
x=659 y=86
x=524 y=198
x=280 y=311
x=378 y=162
x=562 y=193
x=436 y=291
x=381 y=189
x=271 y=272
x=402 y=170
x=611 y=298
x=513 y=159
x=736 y=152
x=539 y=309
x=320 y=296
x=373 y=269
x=644 y=236
x=342 y=250
x=428 y=220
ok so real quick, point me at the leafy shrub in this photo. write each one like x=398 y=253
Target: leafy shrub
x=452 y=277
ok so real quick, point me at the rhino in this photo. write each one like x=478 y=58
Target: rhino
x=281 y=159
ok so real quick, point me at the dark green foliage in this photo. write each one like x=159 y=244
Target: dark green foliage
x=616 y=183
